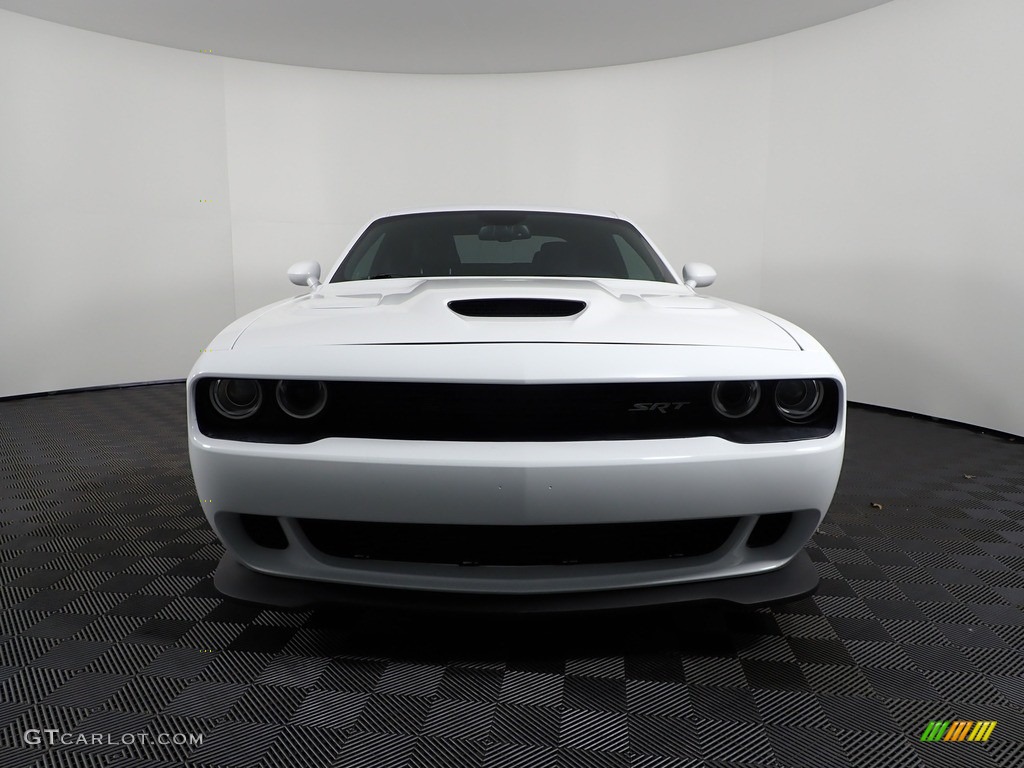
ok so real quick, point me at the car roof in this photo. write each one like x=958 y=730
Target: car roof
x=525 y=208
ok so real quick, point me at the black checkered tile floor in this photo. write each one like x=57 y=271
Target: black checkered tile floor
x=113 y=640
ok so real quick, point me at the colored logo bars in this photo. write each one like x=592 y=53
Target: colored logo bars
x=958 y=730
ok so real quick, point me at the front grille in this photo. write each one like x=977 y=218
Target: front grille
x=515 y=413
x=518 y=544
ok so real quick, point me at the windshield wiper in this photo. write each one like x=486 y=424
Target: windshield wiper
x=380 y=277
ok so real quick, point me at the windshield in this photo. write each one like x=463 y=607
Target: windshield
x=501 y=244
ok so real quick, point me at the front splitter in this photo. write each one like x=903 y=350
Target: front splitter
x=794 y=580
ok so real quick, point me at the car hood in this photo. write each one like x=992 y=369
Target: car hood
x=417 y=311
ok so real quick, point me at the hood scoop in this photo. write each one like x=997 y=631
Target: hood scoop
x=513 y=307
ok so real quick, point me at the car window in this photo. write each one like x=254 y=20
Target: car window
x=501 y=243
x=635 y=263
x=361 y=267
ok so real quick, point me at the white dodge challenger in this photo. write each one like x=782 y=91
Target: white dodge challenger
x=515 y=409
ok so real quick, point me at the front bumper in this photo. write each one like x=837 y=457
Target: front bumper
x=388 y=481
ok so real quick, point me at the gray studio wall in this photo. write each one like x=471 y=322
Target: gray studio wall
x=862 y=178
x=111 y=269
x=894 y=219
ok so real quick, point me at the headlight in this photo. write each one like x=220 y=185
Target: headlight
x=799 y=399
x=236 y=398
x=301 y=399
x=735 y=399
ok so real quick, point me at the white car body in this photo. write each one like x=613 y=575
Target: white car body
x=635 y=332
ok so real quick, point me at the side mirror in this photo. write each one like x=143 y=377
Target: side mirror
x=698 y=275
x=305 y=273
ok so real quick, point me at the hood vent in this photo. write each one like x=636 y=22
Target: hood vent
x=517 y=307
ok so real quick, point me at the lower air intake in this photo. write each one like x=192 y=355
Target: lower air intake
x=769 y=529
x=264 y=530
x=518 y=544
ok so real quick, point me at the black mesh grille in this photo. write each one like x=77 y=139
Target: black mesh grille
x=518 y=545
x=516 y=412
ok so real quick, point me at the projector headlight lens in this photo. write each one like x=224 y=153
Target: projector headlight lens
x=301 y=399
x=236 y=398
x=799 y=399
x=735 y=399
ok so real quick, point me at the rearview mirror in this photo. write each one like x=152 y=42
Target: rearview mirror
x=698 y=275
x=305 y=273
x=504 y=233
